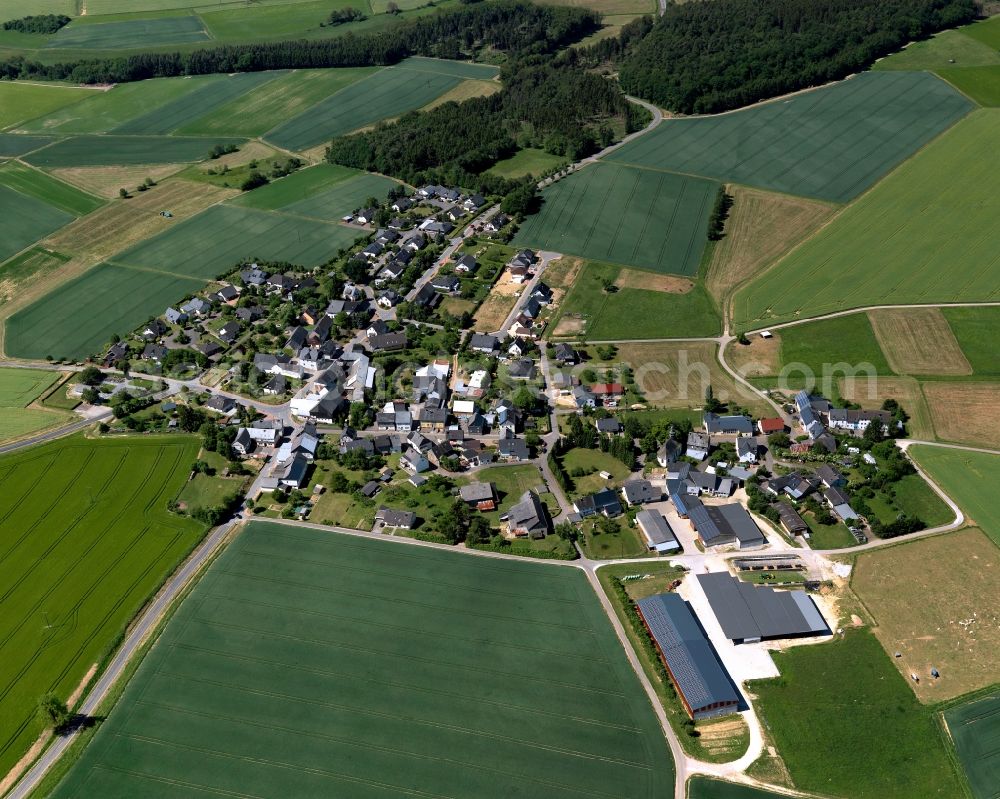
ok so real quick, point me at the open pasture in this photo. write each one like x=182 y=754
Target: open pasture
x=982 y=84
x=298 y=186
x=18 y=389
x=972 y=479
x=272 y=103
x=975 y=730
x=12 y=9
x=956 y=48
x=190 y=106
x=85 y=539
x=125 y=150
x=527 y=162
x=831 y=143
x=899 y=243
x=388 y=93
x=105 y=110
x=918 y=341
x=311 y=663
x=957 y=633
x=333 y=203
x=21 y=101
x=828 y=347
x=846 y=724
x=964 y=412
x=639 y=217
x=213 y=242
x=975 y=330
x=25 y=219
x=629 y=313
x=37 y=184
x=130 y=33
x=77 y=317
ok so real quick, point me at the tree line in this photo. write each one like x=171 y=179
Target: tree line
x=708 y=57
x=508 y=26
x=39 y=23
x=543 y=104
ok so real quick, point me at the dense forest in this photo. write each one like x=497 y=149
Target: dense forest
x=562 y=110
x=41 y=23
x=508 y=26
x=706 y=57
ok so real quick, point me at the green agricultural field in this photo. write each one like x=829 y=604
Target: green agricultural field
x=18 y=389
x=13 y=146
x=25 y=219
x=974 y=328
x=213 y=242
x=85 y=539
x=952 y=48
x=982 y=84
x=975 y=729
x=276 y=101
x=640 y=217
x=103 y=111
x=298 y=186
x=24 y=267
x=706 y=788
x=819 y=346
x=241 y=22
x=125 y=150
x=987 y=32
x=971 y=479
x=134 y=33
x=831 y=143
x=846 y=724
x=898 y=243
x=311 y=663
x=387 y=93
x=332 y=204
x=79 y=316
x=631 y=313
x=12 y=9
x=205 y=99
x=527 y=162
x=37 y=184
x=21 y=101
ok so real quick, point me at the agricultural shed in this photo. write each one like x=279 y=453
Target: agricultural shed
x=656 y=529
x=702 y=683
x=749 y=613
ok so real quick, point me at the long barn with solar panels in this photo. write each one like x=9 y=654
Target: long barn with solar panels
x=749 y=613
x=702 y=682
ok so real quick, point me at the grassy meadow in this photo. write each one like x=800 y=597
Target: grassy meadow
x=238 y=687
x=898 y=244
x=19 y=388
x=86 y=539
x=969 y=478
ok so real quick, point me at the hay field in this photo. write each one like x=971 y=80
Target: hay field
x=124 y=222
x=965 y=412
x=829 y=144
x=105 y=181
x=762 y=227
x=314 y=664
x=676 y=375
x=637 y=217
x=975 y=729
x=971 y=479
x=86 y=539
x=152 y=32
x=899 y=243
x=760 y=358
x=955 y=631
x=918 y=341
x=21 y=101
x=905 y=390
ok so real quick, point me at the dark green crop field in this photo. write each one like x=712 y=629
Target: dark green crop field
x=831 y=143
x=44 y=187
x=975 y=729
x=308 y=663
x=85 y=539
x=25 y=219
x=124 y=150
x=128 y=33
x=638 y=217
